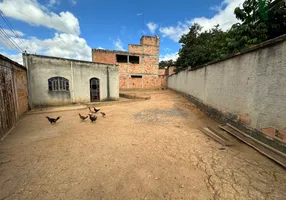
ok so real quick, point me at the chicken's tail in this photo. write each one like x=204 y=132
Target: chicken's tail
x=58 y=118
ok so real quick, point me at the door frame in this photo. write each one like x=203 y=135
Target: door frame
x=90 y=89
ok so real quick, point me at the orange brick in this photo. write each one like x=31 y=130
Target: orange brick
x=282 y=134
x=244 y=119
x=269 y=131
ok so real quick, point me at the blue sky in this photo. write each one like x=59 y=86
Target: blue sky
x=70 y=28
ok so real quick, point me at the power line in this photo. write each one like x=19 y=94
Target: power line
x=10 y=39
x=12 y=29
x=8 y=44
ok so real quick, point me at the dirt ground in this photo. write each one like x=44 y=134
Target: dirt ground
x=142 y=150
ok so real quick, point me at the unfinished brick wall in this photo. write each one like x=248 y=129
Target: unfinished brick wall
x=150 y=81
x=135 y=69
x=123 y=67
x=135 y=83
x=147 y=40
x=151 y=50
x=162 y=81
x=123 y=81
x=148 y=53
x=161 y=72
x=134 y=48
x=150 y=65
x=102 y=56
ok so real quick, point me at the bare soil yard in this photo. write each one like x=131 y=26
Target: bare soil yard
x=142 y=150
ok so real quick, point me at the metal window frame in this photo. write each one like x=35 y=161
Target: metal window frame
x=58 y=83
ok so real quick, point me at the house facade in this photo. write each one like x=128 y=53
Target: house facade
x=59 y=81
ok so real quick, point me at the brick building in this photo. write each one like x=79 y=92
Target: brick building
x=138 y=67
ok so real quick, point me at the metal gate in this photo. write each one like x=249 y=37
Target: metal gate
x=7 y=101
x=94 y=90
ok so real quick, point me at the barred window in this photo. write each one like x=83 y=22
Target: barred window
x=58 y=84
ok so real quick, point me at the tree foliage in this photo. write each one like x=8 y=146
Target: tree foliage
x=166 y=63
x=260 y=20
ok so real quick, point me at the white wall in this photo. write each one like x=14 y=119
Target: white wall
x=79 y=73
x=251 y=85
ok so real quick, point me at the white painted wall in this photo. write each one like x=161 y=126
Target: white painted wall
x=79 y=73
x=251 y=85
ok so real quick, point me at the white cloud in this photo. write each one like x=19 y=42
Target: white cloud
x=74 y=2
x=61 y=45
x=66 y=44
x=10 y=33
x=152 y=27
x=175 y=32
x=53 y=3
x=16 y=57
x=32 y=12
x=169 y=56
x=12 y=41
x=100 y=48
x=225 y=18
x=118 y=44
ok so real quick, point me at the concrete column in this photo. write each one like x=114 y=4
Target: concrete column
x=26 y=64
x=72 y=84
x=128 y=72
x=108 y=82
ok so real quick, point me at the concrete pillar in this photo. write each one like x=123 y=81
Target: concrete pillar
x=108 y=82
x=26 y=64
x=72 y=84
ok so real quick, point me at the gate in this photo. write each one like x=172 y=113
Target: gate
x=7 y=100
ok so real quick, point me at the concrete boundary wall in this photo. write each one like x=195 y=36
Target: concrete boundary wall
x=250 y=87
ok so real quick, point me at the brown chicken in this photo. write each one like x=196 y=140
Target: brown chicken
x=103 y=114
x=82 y=117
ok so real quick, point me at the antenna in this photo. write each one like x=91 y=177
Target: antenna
x=142 y=17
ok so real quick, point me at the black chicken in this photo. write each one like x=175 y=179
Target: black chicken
x=103 y=114
x=82 y=117
x=91 y=110
x=96 y=110
x=92 y=118
x=53 y=120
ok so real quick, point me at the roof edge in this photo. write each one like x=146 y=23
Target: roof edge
x=12 y=61
x=74 y=60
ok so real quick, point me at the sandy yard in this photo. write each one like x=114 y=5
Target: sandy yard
x=142 y=150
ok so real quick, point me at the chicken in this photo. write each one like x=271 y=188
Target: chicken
x=92 y=118
x=82 y=117
x=103 y=114
x=53 y=120
x=96 y=110
x=91 y=110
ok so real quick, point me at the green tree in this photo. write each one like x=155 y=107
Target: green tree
x=201 y=47
x=166 y=63
x=259 y=20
